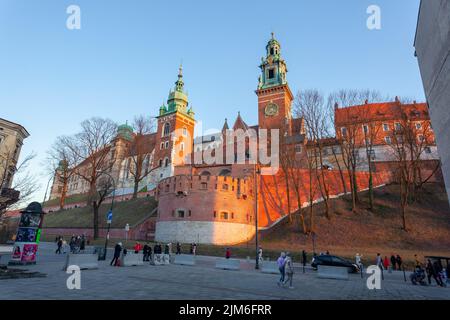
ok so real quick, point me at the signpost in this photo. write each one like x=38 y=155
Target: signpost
x=109 y=218
x=127 y=229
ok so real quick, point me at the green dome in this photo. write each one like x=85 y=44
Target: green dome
x=125 y=131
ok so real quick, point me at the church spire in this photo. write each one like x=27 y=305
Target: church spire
x=273 y=66
x=179 y=84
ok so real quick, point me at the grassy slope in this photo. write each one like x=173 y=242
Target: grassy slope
x=368 y=232
x=130 y=212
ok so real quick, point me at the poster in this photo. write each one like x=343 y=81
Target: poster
x=29 y=252
x=29 y=220
x=26 y=235
x=17 y=253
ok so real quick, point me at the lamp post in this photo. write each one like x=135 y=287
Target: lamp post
x=256 y=172
x=109 y=219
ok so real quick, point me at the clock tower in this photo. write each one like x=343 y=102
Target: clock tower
x=274 y=96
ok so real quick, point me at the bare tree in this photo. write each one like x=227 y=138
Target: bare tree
x=24 y=182
x=90 y=148
x=139 y=150
x=61 y=161
x=309 y=104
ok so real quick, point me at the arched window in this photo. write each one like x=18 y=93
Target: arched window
x=166 y=162
x=205 y=173
x=160 y=162
x=167 y=145
x=162 y=145
x=166 y=130
x=225 y=173
x=182 y=146
x=184 y=131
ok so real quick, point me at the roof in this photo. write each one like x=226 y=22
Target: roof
x=380 y=111
x=146 y=146
x=13 y=124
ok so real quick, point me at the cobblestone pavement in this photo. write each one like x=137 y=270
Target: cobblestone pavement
x=199 y=282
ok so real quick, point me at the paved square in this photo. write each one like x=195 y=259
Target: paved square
x=202 y=281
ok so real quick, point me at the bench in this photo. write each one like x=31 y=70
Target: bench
x=270 y=267
x=228 y=264
x=83 y=261
x=132 y=259
x=184 y=259
x=329 y=272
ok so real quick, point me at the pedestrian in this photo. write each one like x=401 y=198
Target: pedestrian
x=393 y=262
x=137 y=247
x=437 y=268
x=379 y=261
x=386 y=263
x=416 y=261
x=228 y=253
x=289 y=270
x=82 y=243
x=304 y=258
x=59 y=243
x=358 y=262
x=146 y=252
x=178 y=248
x=194 y=249
x=117 y=252
x=399 y=262
x=281 y=267
x=166 y=249
x=64 y=246
x=260 y=255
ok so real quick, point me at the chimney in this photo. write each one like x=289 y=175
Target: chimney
x=336 y=106
x=366 y=101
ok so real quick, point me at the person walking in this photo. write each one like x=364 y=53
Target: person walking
x=146 y=252
x=416 y=261
x=178 y=248
x=393 y=262
x=289 y=270
x=82 y=244
x=137 y=247
x=228 y=253
x=304 y=257
x=437 y=269
x=281 y=267
x=194 y=249
x=117 y=252
x=358 y=261
x=386 y=263
x=59 y=243
x=260 y=256
x=379 y=261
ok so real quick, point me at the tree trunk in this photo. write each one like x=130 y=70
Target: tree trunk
x=370 y=190
x=135 y=191
x=62 y=200
x=95 y=207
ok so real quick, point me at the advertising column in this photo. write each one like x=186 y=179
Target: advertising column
x=28 y=235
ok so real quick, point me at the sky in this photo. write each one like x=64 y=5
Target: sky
x=125 y=58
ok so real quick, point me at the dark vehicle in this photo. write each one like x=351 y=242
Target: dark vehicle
x=327 y=260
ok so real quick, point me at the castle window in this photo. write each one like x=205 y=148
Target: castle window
x=271 y=74
x=427 y=150
x=166 y=163
x=232 y=216
x=398 y=126
x=166 y=145
x=224 y=215
x=162 y=145
x=298 y=148
x=204 y=186
x=160 y=162
x=385 y=127
x=365 y=128
x=182 y=146
x=184 y=131
x=418 y=126
x=225 y=187
x=166 y=131
x=271 y=51
x=180 y=213
x=215 y=214
x=344 y=131
x=190 y=213
x=388 y=140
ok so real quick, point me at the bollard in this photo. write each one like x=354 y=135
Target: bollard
x=382 y=273
x=404 y=274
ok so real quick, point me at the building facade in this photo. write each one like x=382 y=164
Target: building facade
x=432 y=45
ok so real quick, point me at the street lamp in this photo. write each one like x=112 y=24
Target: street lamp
x=109 y=219
x=256 y=172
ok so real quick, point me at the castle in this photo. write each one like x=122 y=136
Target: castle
x=215 y=201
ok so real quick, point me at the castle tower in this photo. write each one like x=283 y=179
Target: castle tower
x=274 y=96
x=175 y=133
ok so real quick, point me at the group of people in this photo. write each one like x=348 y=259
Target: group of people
x=77 y=244
x=433 y=270
x=394 y=263
x=146 y=249
x=286 y=267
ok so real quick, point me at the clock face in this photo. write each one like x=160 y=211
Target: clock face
x=271 y=110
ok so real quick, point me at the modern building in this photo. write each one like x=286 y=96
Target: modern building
x=432 y=44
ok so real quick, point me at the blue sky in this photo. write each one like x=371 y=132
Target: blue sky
x=125 y=58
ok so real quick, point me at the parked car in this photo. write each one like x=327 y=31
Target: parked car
x=327 y=260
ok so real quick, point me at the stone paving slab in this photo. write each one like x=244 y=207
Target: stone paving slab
x=199 y=282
